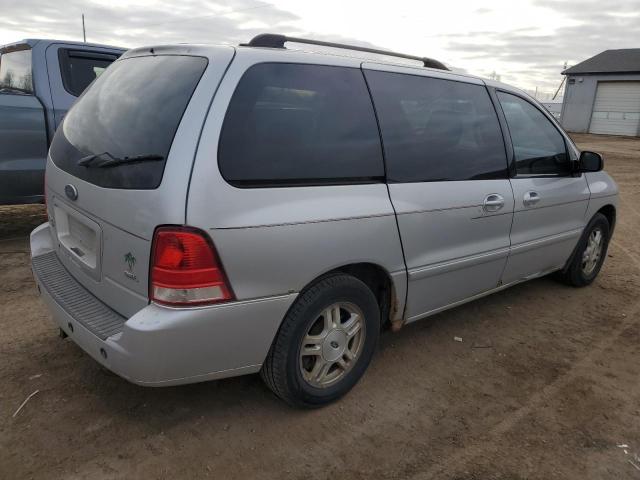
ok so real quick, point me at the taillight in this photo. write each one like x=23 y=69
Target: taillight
x=185 y=269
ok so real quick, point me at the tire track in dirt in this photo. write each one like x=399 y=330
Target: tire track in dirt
x=485 y=445
x=630 y=206
x=455 y=462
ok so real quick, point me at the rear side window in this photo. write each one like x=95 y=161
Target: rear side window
x=291 y=124
x=80 y=68
x=437 y=130
x=127 y=121
x=538 y=146
x=15 y=72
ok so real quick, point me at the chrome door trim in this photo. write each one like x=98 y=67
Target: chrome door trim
x=483 y=294
x=545 y=241
x=305 y=222
x=457 y=264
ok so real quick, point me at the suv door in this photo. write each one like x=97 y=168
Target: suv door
x=550 y=201
x=448 y=181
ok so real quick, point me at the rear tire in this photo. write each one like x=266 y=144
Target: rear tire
x=590 y=253
x=325 y=342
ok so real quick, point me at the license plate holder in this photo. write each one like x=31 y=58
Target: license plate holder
x=79 y=236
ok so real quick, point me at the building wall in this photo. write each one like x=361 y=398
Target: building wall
x=579 y=97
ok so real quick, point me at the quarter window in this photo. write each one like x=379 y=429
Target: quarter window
x=538 y=146
x=437 y=130
x=80 y=68
x=291 y=124
x=15 y=72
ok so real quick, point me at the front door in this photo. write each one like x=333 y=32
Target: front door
x=448 y=182
x=550 y=202
x=23 y=134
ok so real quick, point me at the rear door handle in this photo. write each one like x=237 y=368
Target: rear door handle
x=530 y=199
x=493 y=203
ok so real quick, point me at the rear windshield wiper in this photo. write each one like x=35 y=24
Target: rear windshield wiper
x=111 y=161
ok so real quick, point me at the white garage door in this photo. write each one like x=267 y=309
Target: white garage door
x=617 y=109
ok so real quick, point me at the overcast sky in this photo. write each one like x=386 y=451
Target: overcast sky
x=526 y=42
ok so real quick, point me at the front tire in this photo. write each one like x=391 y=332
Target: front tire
x=325 y=342
x=589 y=254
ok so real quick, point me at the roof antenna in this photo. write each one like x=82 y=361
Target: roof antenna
x=84 y=32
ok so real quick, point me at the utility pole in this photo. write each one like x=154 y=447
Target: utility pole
x=561 y=83
x=84 y=32
x=558 y=90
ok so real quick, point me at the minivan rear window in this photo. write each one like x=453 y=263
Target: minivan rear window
x=130 y=115
x=293 y=124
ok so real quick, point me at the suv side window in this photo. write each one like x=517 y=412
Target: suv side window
x=437 y=130
x=291 y=124
x=538 y=146
x=80 y=68
x=15 y=72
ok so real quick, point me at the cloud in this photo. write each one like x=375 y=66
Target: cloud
x=161 y=22
x=538 y=53
x=189 y=21
x=589 y=10
x=531 y=53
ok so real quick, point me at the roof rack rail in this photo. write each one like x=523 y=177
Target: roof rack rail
x=274 y=40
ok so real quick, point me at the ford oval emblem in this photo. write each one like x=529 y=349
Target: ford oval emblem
x=71 y=191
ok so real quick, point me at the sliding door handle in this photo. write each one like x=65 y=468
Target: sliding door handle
x=493 y=203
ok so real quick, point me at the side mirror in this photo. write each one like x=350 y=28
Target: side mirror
x=590 y=162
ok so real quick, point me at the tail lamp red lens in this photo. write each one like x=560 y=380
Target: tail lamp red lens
x=185 y=269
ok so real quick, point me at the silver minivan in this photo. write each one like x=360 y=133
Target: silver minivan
x=216 y=211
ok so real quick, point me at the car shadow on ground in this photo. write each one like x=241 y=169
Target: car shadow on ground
x=163 y=408
x=17 y=221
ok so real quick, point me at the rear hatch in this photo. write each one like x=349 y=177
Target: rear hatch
x=120 y=164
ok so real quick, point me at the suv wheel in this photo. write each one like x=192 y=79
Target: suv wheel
x=325 y=342
x=590 y=253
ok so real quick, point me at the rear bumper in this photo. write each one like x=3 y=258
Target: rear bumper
x=158 y=346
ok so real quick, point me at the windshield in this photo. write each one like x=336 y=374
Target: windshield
x=132 y=110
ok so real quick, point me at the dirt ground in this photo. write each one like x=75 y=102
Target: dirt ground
x=545 y=385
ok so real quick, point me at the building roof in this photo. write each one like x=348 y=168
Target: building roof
x=610 y=61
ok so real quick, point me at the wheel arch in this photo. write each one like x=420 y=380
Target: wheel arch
x=609 y=211
x=381 y=283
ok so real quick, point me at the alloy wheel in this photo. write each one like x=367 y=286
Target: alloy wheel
x=593 y=251
x=332 y=344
